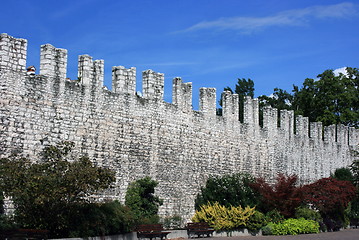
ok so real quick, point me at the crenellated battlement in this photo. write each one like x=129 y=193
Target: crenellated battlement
x=144 y=135
x=230 y=105
x=182 y=94
x=53 y=62
x=13 y=52
x=153 y=84
x=207 y=102
x=302 y=126
x=316 y=131
x=270 y=120
x=53 y=65
x=90 y=72
x=124 y=80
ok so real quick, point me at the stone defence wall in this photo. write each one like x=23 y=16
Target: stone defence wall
x=140 y=136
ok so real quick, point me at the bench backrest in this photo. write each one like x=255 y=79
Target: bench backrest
x=199 y=225
x=25 y=234
x=150 y=228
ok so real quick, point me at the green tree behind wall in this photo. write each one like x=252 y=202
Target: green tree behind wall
x=142 y=201
x=330 y=98
x=343 y=174
x=244 y=87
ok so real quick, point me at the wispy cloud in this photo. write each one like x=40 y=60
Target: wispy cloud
x=68 y=9
x=296 y=17
x=167 y=64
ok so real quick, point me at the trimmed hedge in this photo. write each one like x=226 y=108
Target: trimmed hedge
x=291 y=227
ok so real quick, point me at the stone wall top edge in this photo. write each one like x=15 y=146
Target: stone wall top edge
x=5 y=35
x=303 y=121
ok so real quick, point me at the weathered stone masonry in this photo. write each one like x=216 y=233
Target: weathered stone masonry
x=139 y=136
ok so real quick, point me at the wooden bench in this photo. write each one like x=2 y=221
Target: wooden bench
x=20 y=234
x=151 y=231
x=354 y=223
x=199 y=229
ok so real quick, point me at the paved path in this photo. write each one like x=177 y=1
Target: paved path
x=347 y=234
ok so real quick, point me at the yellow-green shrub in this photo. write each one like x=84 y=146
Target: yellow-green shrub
x=222 y=218
x=291 y=227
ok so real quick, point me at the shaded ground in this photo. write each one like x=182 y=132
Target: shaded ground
x=348 y=234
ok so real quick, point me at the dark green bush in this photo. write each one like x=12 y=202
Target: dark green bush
x=308 y=214
x=292 y=227
x=228 y=190
x=268 y=229
x=119 y=218
x=332 y=224
x=343 y=174
x=48 y=191
x=274 y=216
x=6 y=223
x=101 y=219
x=142 y=201
x=353 y=212
x=256 y=221
x=2 y=211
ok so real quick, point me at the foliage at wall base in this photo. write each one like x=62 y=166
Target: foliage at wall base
x=142 y=201
x=95 y=219
x=256 y=221
x=291 y=227
x=48 y=192
x=223 y=218
x=228 y=190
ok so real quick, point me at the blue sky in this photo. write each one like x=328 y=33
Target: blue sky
x=211 y=43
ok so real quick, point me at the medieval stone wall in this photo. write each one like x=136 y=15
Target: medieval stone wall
x=143 y=135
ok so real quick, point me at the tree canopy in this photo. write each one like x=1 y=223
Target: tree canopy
x=228 y=190
x=343 y=174
x=244 y=87
x=329 y=195
x=330 y=98
x=285 y=195
x=47 y=191
x=142 y=201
